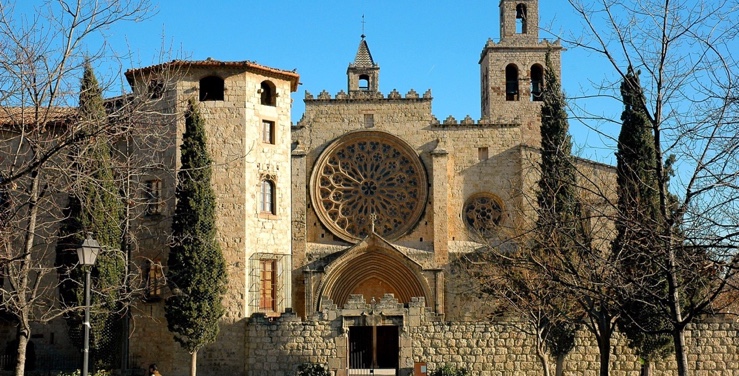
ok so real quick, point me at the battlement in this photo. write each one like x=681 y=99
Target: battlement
x=367 y=95
x=543 y=44
x=451 y=122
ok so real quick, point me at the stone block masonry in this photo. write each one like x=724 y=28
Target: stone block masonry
x=278 y=346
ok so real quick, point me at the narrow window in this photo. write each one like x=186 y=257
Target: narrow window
x=537 y=82
x=267 y=91
x=482 y=154
x=4 y=206
x=511 y=82
x=267 y=285
x=154 y=280
x=267 y=197
x=153 y=197
x=586 y=221
x=369 y=120
x=520 y=19
x=484 y=92
x=211 y=88
x=268 y=132
x=364 y=82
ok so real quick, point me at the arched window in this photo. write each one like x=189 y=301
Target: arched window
x=521 y=19
x=537 y=83
x=267 y=197
x=511 y=82
x=211 y=88
x=156 y=89
x=364 y=82
x=268 y=93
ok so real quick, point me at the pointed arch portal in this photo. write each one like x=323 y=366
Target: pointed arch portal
x=373 y=272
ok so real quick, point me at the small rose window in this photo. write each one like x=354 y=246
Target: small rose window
x=483 y=213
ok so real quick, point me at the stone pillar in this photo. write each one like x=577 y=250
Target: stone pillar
x=440 y=198
x=299 y=206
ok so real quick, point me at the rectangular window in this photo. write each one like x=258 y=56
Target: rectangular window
x=154 y=280
x=268 y=132
x=369 y=120
x=153 y=196
x=267 y=286
x=482 y=154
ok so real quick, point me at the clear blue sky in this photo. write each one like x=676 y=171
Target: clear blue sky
x=419 y=45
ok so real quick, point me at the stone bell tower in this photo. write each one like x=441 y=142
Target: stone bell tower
x=519 y=20
x=363 y=74
x=512 y=70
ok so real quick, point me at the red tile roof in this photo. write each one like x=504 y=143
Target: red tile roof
x=291 y=76
x=52 y=115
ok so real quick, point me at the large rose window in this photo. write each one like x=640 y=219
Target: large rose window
x=369 y=179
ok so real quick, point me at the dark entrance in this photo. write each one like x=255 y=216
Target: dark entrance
x=373 y=347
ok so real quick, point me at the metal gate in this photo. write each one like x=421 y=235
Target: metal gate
x=373 y=350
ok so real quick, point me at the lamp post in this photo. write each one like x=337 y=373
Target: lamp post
x=86 y=253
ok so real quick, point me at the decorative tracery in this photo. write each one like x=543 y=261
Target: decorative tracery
x=366 y=173
x=483 y=212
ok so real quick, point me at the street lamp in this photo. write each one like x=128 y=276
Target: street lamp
x=86 y=253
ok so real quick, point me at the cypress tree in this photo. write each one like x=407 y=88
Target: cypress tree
x=196 y=267
x=638 y=224
x=559 y=207
x=95 y=207
x=559 y=228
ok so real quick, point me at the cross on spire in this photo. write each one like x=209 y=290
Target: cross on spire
x=363 y=26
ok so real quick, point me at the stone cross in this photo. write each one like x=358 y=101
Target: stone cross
x=373 y=218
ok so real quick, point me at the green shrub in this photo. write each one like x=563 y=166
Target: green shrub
x=312 y=369
x=449 y=370
x=101 y=372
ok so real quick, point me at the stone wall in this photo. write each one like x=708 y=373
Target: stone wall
x=277 y=346
x=241 y=160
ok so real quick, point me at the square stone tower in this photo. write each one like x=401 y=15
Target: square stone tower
x=512 y=70
x=246 y=108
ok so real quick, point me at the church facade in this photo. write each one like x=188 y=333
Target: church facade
x=367 y=199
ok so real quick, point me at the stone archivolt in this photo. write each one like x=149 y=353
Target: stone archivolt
x=373 y=268
x=365 y=175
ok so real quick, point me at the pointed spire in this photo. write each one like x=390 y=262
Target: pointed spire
x=364 y=57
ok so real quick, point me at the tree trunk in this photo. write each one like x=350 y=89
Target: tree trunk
x=541 y=354
x=24 y=334
x=646 y=369
x=560 y=365
x=604 y=342
x=20 y=363
x=193 y=363
x=680 y=355
x=604 y=347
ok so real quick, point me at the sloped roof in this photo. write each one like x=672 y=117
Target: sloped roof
x=10 y=116
x=291 y=76
x=364 y=56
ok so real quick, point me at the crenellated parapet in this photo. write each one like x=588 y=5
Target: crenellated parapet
x=468 y=122
x=367 y=95
x=507 y=43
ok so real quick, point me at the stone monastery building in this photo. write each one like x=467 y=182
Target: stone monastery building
x=349 y=219
x=340 y=232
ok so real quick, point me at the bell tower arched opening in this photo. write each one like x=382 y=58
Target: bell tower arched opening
x=363 y=74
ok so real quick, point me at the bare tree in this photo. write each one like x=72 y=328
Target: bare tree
x=41 y=62
x=685 y=51
x=515 y=288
